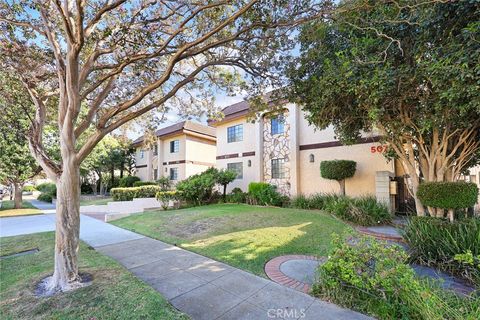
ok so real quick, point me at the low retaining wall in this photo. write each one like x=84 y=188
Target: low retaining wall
x=120 y=209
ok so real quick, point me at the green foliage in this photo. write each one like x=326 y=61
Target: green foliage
x=47 y=188
x=127 y=194
x=166 y=196
x=45 y=197
x=198 y=189
x=128 y=181
x=364 y=211
x=29 y=188
x=16 y=163
x=144 y=183
x=337 y=169
x=264 y=194
x=164 y=183
x=236 y=196
x=448 y=195
x=437 y=242
x=374 y=277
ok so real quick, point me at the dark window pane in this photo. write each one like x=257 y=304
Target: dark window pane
x=237 y=167
x=235 y=133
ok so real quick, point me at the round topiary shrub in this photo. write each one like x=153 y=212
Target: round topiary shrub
x=448 y=195
x=338 y=170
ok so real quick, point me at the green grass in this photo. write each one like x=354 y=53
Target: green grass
x=101 y=201
x=9 y=204
x=240 y=235
x=114 y=294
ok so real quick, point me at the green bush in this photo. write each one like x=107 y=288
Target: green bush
x=47 y=187
x=29 y=189
x=373 y=277
x=144 y=183
x=448 y=195
x=337 y=169
x=436 y=242
x=128 y=181
x=264 y=194
x=164 y=183
x=127 y=194
x=198 y=189
x=365 y=210
x=166 y=196
x=45 y=197
x=236 y=196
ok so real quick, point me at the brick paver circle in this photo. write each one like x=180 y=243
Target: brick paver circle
x=274 y=272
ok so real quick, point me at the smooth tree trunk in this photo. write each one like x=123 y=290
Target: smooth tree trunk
x=342 y=187
x=18 y=195
x=65 y=276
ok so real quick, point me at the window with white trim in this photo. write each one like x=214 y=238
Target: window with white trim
x=173 y=173
x=235 y=133
x=278 y=168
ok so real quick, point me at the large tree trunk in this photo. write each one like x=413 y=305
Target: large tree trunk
x=18 y=195
x=65 y=276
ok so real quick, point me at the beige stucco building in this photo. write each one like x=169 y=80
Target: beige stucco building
x=179 y=151
x=283 y=149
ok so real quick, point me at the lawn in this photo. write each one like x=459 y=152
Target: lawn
x=7 y=209
x=240 y=235
x=100 y=201
x=114 y=294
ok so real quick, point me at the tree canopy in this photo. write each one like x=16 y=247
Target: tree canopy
x=409 y=73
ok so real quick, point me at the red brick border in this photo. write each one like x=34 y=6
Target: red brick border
x=272 y=270
x=378 y=235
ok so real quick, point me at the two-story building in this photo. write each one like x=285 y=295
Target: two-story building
x=179 y=151
x=284 y=150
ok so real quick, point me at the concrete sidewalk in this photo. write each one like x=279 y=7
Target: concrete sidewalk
x=198 y=286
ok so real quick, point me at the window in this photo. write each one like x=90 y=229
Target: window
x=173 y=173
x=155 y=174
x=141 y=153
x=278 y=168
x=174 y=146
x=155 y=149
x=278 y=124
x=235 y=133
x=237 y=167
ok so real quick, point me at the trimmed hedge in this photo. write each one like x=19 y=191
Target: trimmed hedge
x=127 y=194
x=144 y=183
x=166 y=196
x=47 y=187
x=337 y=169
x=236 y=196
x=128 y=181
x=448 y=195
x=45 y=197
x=29 y=189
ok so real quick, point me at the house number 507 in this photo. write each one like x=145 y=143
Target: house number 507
x=380 y=149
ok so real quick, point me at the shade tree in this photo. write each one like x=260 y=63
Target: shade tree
x=107 y=63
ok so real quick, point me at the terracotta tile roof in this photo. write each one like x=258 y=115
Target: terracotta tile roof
x=181 y=127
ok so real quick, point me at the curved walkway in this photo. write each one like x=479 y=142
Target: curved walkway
x=198 y=286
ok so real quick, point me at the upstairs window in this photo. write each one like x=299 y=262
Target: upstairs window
x=141 y=153
x=155 y=149
x=278 y=168
x=174 y=146
x=278 y=124
x=237 y=167
x=235 y=133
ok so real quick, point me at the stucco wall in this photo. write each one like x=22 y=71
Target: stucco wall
x=200 y=150
x=167 y=156
x=362 y=183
